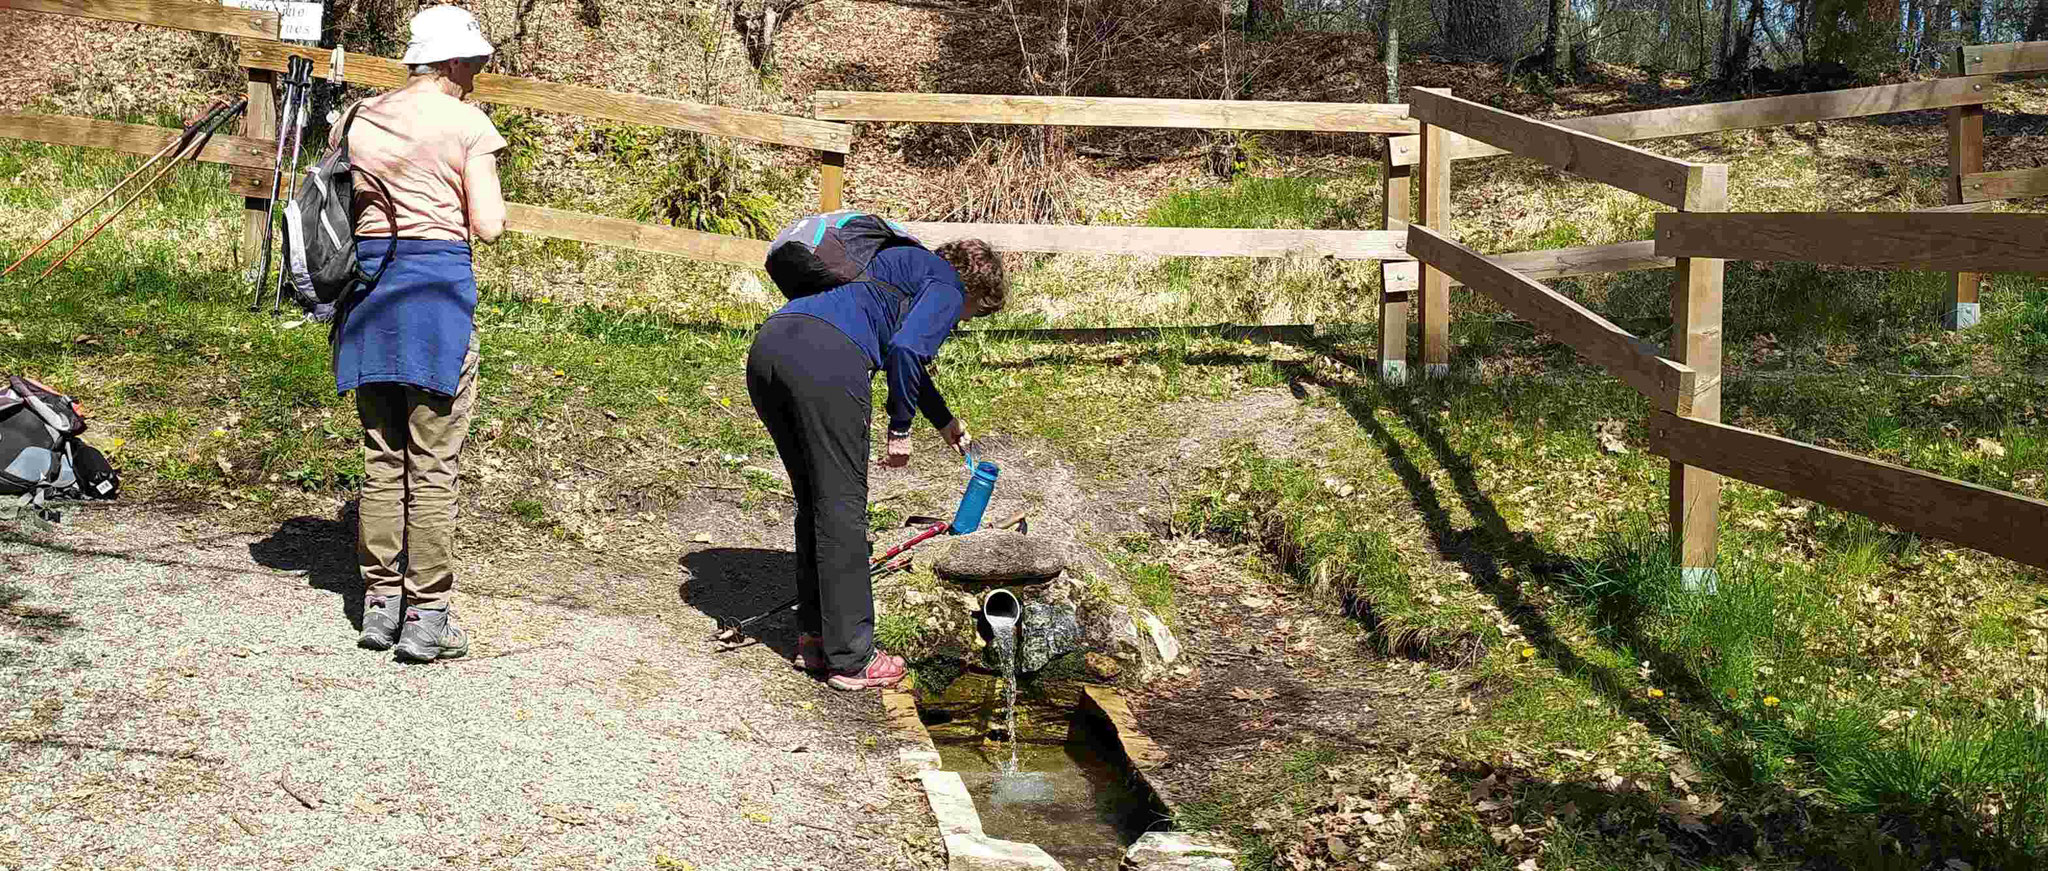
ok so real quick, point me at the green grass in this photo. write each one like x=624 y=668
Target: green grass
x=1153 y=583
x=1248 y=203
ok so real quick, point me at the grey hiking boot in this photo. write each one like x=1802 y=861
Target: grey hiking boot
x=430 y=634
x=381 y=616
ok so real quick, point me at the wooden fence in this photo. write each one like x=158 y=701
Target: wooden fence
x=1684 y=384
x=1418 y=258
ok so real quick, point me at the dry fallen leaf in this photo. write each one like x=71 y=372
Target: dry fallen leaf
x=1252 y=695
x=1990 y=448
x=1609 y=434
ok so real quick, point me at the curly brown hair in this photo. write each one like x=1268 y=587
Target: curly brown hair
x=981 y=273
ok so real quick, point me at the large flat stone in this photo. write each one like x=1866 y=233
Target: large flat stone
x=951 y=804
x=1179 y=851
x=998 y=556
x=983 y=853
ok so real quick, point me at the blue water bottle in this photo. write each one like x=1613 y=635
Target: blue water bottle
x=975 y=500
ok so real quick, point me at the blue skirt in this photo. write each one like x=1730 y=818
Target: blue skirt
x=414 y=326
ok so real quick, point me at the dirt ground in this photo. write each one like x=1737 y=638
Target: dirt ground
x=182 y=687
x=179 y=693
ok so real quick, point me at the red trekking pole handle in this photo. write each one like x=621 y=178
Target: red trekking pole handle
x=929 y=532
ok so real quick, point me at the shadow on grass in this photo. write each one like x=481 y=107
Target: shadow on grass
x=1894 y=834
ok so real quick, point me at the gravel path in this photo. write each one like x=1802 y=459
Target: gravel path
x=161 y=674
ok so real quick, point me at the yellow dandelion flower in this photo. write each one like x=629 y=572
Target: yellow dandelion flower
x=1770 y=701
x=1656 y=693
x=1528 y=653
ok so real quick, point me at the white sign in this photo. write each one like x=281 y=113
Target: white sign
x=300 y=20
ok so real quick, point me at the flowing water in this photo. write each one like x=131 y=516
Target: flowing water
x=1005 y=631
x=1067 y=790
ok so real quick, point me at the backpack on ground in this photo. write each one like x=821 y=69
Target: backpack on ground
x=821 y=252
x=41 y=455
x=320 y=237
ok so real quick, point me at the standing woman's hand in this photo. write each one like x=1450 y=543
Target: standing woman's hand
x=486 y=197
x=897 y=454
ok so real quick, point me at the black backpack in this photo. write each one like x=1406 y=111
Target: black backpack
x=320 y=237
x=821 y=252
x=41 y=455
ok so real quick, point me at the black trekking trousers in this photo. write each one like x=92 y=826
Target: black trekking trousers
x=809 y=384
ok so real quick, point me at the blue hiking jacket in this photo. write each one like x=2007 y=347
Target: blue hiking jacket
x=897 y=342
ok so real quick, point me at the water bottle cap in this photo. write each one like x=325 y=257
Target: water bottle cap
x=987 y=468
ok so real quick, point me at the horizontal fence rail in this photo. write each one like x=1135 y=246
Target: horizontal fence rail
x=1668 y=383
x=1938 y=241
x=2011 y=57
x=1583 y=260
x=767 y=127
x=178 y=14
x=1170 y=241
x=1668 y=181
x=144 y=139
x=1112 y=112
x=654 y=238
x=1739 y=115
x=2008 y=184
x=1993 y=521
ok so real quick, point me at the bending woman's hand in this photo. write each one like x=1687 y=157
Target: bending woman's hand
x=956 y=435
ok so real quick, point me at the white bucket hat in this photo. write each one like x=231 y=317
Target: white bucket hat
x=444 y=33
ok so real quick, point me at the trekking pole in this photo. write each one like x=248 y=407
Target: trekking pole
x=298 y=128
x=192 y=150
x=276 y=179
x=185 y=135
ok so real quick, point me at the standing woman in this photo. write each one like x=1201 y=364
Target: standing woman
x=408 y=346
x=808 y=374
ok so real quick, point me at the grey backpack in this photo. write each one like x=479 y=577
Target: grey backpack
x=41 y=455
x=320 y=238
x=817 y=253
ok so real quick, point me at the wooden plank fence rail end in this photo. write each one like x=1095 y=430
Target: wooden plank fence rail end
x=143 y=139
x=178 y=14
x=1666 y=382
x=1112 y=112
x=1938 y=241
x=1668 y=181
x=1993 y=521
x=1169 y=241
x=2009 y=57
x=2005 y=184
x=1746 y=114
x=1584 y=260
x=767 y=127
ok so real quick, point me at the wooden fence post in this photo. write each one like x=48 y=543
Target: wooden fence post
x=831 y=180
x=1398 y=279
x=1435 y=311
x=1965 y=156
x=1696 y=342
x=259 y=121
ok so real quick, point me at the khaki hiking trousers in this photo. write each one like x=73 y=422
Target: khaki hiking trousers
x=412 y=447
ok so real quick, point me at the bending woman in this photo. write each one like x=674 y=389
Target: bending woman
x=808 y=374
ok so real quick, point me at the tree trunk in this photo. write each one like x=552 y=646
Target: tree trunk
x=1390 y=46
x=757 y=24
x=1264 y=15
x=1745 y=42
x=1726 y=54
x=1553 y=40
x=2037 y=24
x=1973 y=22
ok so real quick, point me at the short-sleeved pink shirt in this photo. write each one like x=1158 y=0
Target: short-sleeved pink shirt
x=418 y=142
